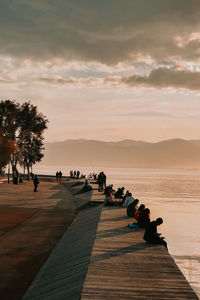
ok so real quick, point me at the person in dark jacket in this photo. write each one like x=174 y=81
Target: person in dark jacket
x=151 y=235
x=35 y=183
x=132 y=207
x=144 y=218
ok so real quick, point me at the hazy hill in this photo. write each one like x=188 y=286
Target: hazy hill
x=175 y=153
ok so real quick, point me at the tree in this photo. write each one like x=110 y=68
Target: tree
x=31 y=138
x=24 y=125
x=9 y=119
x=7 y=147
x=9 y=123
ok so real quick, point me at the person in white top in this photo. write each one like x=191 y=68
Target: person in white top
x=129 y=199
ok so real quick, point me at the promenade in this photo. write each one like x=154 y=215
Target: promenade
x=123 y=266
x=98 y=257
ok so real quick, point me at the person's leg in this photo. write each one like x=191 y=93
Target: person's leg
x=159 y=241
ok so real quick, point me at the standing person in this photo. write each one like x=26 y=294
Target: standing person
x=151 y=235
x=60 y=175
x=100 y=182
x=57 y=175
x=104 y=179
x=35 y=183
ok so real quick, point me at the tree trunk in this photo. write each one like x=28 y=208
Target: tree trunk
x=28 y=171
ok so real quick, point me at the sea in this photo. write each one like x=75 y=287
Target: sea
x=171 y=194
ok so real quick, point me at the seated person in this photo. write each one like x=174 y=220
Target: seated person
x=109 y=189
x=139 y=211
x=124 y=197
x=119 y=193
x=129 y=199
x=144 y=218
x=86 y=187
x=131 y=208
x=108 y=201
x=151 y=236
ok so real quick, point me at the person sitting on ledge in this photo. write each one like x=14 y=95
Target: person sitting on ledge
x=86 y=187
x=129 y=199
x=139 y=211
x=108 y=201
x=124 y=197
x=119 y=193
x=109 y=189
x=151 y=236
x=143 y=220
x=132 y=207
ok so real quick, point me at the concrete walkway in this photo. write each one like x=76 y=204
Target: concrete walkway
x=123 y=266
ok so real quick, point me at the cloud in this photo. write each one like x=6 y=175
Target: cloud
x=108 y=82
x=165 y=77
x=104 y=31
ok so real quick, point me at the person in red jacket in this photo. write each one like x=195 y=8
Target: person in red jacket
x=138 y=211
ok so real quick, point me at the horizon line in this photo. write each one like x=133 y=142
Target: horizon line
x=122 y=140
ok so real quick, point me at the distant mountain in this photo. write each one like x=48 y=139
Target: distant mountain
x=174 y=153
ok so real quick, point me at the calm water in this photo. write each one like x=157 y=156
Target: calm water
x=173 y=195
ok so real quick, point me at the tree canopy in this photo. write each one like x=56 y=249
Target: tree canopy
x=22 y=125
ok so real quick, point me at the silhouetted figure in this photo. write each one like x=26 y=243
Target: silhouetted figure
x=86 y=187
x=57 y=175
x=132 y=207
x=78 y=174
x=35 y=183
x=151 y=236
x=100 y=181
x=74 y=174
x=144 y=218
x=104 y=180
x=119 y=193
x=60 y=175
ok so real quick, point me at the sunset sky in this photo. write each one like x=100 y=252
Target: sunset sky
x=105 y=69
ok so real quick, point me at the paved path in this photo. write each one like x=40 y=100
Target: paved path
x=62 y=276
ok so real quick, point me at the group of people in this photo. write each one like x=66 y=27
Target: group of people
x=74 y=174
x=101 y=180
x=58 y=175
x=139 y=212
x=92 y=176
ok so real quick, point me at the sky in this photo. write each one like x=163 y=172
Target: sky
x=104 y=69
